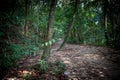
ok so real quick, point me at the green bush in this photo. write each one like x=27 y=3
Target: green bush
x=43 y=66
x=9 y=55
x=59 y=68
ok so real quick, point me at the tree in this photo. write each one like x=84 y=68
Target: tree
x=50 y=29
x=111 y=11
x=26 y=14
x=105 y=8
x=70 y=25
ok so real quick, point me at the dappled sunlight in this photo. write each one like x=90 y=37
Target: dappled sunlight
x=23 y=74
x=14 y=78
x=82 y=63
x=93 y=57
x=59 y=39
x=86 y=62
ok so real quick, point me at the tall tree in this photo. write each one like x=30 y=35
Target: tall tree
x=105 y=7
x=70 y=26
x=111 y=10
x=50 y=29
x=26 y=14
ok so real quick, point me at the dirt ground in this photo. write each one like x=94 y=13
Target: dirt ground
x=89 y=62
x=83 y=62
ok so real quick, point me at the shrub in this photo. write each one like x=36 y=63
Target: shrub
x=59 y=68
x=43 y=66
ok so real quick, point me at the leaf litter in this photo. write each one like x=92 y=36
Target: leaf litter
x=83 y=62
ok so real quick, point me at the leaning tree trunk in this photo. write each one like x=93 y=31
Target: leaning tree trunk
x=70 y=25
x=50 y=29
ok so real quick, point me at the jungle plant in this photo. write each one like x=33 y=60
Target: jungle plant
x=43 y=66
x=59 y=68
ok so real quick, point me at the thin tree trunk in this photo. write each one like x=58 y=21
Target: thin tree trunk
x=50 y=29
x=105 y=22
x=105 y=29
x=26 y=14
x=70 y=25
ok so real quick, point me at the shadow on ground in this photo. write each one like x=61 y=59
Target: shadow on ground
x=83 y=62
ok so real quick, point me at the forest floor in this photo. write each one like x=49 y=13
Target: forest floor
x=83 y=62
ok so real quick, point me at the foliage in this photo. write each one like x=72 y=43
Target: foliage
x=43 y=66
x=59 y=68
x=110 y=12
x=88 y=27
x=11 y=54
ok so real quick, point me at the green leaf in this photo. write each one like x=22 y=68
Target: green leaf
x=46 y=44
x=50 y=42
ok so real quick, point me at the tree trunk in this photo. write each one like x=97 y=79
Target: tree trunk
x=70 y=25
x=50 y=29
x=26 y=14
x=105 y=22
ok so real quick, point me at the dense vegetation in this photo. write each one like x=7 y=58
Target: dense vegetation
x=29 y=27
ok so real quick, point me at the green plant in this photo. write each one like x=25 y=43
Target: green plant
x=10 y=53
x=59 y=68
x=43 y=66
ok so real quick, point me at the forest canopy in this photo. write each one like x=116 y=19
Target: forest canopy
x=28 y=27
